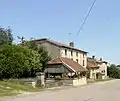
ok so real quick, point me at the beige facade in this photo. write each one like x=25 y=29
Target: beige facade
x=103 y=69
x=77 y=56
x=53 y=50
x=56 y=49
x=93 y=73
x=98 y=68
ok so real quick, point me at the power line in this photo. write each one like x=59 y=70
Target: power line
x=86 y=17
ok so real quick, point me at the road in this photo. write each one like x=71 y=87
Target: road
x=103 y=91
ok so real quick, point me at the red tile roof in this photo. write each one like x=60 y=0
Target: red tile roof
x=91 y=63
x=60 y=44
x=70 y=63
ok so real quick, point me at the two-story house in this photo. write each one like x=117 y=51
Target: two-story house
x=57 y=49
x=97 y=68
x=102 y=67
x=93 y=68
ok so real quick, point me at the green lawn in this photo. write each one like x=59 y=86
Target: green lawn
x=13 y=87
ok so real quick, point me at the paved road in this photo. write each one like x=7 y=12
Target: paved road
x=104 y=91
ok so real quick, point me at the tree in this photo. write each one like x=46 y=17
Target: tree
x=30 y=44
x=118 y=66
x=18 y=61
x=88 y=72
x=22 y=40
x=112 y=65
x=44 y=56
x=5 y=36
x=113 y=72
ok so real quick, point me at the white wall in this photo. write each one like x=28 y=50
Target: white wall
x=95 y=71
x=81 y=81
x=103 y=67
x=74 y=57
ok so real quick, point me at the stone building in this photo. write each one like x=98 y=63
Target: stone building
x=57 y=49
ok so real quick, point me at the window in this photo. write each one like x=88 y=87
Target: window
x=103 y=71
x=65 y=51
x=71 y=53
x=77 y=60
x=83 y=63
x=76 y=53
x=83 y=55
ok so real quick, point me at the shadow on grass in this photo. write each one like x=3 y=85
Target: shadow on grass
x=13 y=87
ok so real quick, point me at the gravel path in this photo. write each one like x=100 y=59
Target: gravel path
x=103 y=91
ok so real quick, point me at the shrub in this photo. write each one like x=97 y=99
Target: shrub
x=114 y=72
x=17 y=61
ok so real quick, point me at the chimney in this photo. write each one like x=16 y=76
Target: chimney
x=93 y=57
x=100 y=59
x=71 y=44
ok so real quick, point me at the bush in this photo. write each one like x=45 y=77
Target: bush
x=17 y=61
x=114 y=72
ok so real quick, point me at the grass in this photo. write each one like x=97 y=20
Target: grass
x=13 y=87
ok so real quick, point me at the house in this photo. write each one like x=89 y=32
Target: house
x=97 y=68
x=102 y=67
x=57 y=49
x=93 y=68
x=65 y=68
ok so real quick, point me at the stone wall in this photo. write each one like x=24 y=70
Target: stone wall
x=81 y=81
x=66 y=82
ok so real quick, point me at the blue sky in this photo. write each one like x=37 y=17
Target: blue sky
x=57 y=18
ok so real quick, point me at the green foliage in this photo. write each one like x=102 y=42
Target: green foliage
x=112 y=65
x=23 y=60
x=113 y=72
x=32 y=44
x=118 y=66
x=5 y=36
x=88 y=72
x=44 y=57
x=22 y=41
x=18 y=61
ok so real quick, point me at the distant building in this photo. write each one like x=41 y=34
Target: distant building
x=102 y=67
x=93 y=68
x=97 y=68
x=57 y=50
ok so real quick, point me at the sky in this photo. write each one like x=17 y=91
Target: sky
x=55 y=19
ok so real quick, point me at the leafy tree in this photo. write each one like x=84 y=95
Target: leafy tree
x=18 y=61
x=113 y=72
x=22 y=40
x=112 y=65
x=44 y=56
x=88 y=72
x=30 y=44
x=5 y=36
x=118 y=65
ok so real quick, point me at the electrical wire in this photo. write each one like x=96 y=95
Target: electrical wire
x=86 y=17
